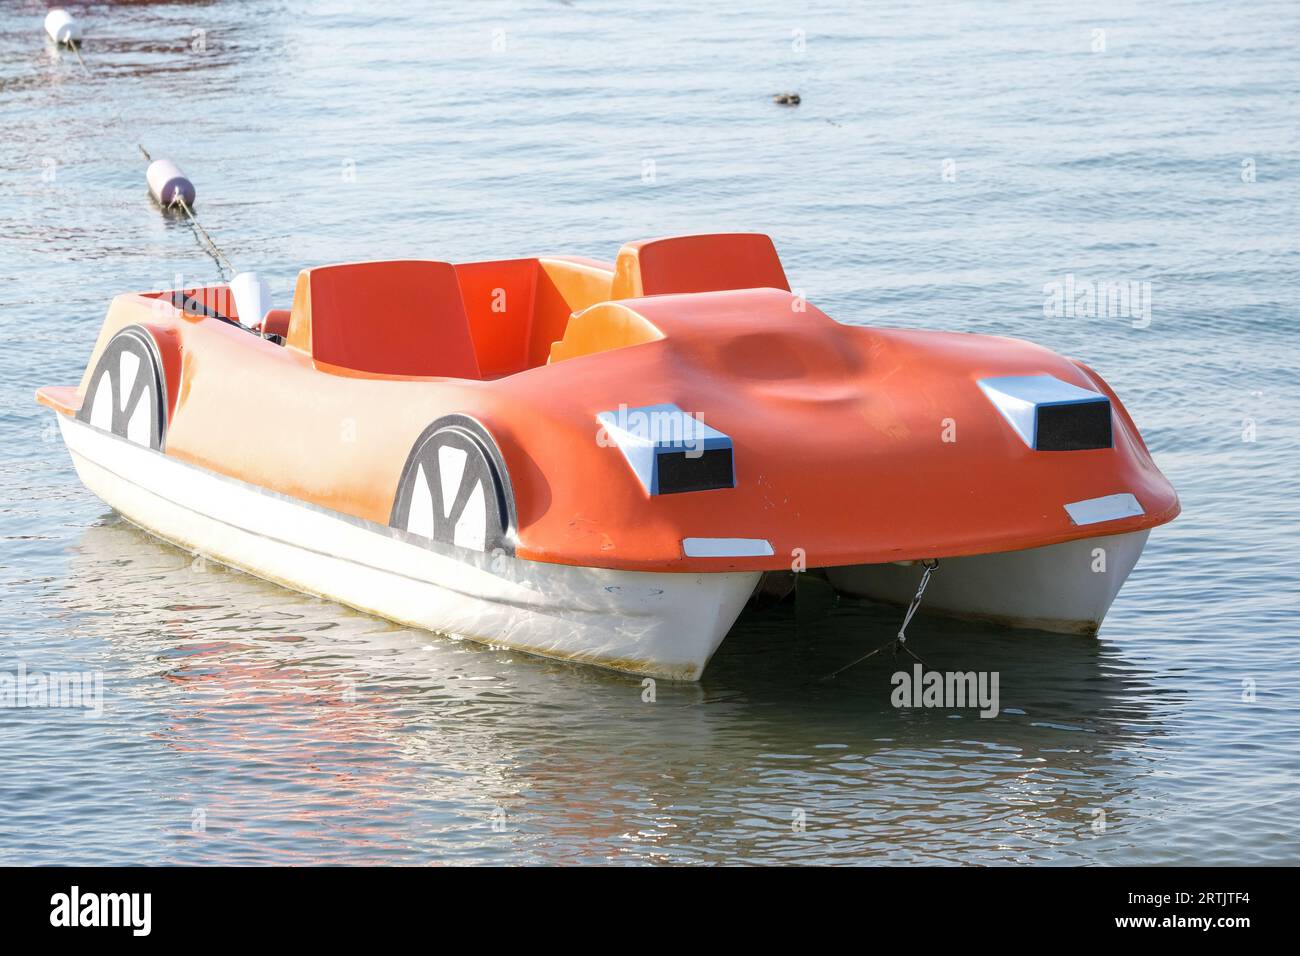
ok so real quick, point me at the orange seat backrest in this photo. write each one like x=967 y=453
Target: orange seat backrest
x=708 y=263
x=498 y=298
x=399 y=317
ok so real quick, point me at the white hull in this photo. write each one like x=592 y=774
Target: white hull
x=646 y=623
x=1067 y=588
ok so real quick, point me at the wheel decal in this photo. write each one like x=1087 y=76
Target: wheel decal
x=128 y=366
x=451 y=469
x=137 y=426
x=471 y=526
x=454 y=490
x=102 y=404
x=126 y=393
x=420 y=518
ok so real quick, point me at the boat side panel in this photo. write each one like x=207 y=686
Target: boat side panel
x=1067 y=588
x=661 y=625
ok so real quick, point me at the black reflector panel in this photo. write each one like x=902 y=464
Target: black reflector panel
x=712 y=469
x=1076 y=426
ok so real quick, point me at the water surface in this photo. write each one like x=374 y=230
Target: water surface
x=947 y=163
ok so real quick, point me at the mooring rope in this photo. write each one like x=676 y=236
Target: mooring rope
x=206 y=241
x=223 y=264
x=899 y=642
x=117 y=114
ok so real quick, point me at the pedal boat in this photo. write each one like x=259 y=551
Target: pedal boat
x=599 y=462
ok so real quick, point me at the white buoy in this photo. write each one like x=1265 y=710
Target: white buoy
x=61 y=27
x=168 y=184
x=252 y=298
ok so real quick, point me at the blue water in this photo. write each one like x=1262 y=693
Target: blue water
x=947 y=163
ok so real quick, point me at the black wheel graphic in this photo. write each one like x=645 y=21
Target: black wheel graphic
x=126 y=394
x=455 y=490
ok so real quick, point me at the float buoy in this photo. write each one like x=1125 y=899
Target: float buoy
x=172 y=189
x=168 y=184
x=62 y=28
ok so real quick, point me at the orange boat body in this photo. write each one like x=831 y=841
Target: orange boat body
x=851 y=445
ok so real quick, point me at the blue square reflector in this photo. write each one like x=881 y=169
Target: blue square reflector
x=1049 y=414
x=670 y=450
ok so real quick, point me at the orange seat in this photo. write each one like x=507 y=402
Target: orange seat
x=518 y=307
x=399 y=317
x=708 y=263
x=276 y=322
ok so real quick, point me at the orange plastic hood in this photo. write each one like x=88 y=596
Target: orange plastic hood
x=851 y=445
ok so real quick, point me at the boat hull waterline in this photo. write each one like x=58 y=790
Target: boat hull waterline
x=599 y=462
x=662 y=625
x=1064 y=588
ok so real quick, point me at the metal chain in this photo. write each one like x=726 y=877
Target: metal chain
x=930 y=567
x=899 y=643
x=212 y=249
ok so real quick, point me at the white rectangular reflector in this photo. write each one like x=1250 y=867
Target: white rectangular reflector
x=1108 y=508
x=726 y=547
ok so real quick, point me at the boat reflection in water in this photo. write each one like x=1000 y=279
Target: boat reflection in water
x=305 y=732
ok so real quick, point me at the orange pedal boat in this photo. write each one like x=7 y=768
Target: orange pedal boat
x=599 y=463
